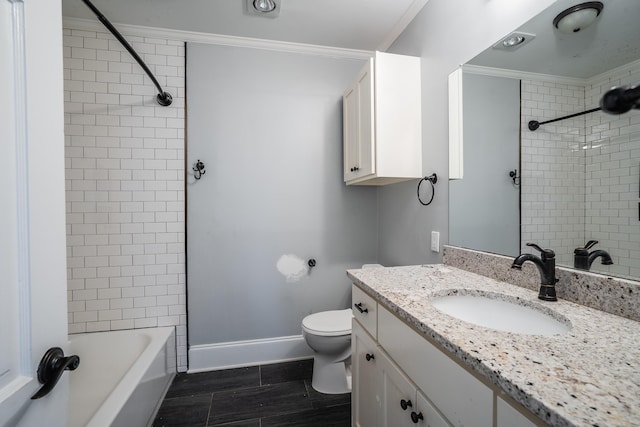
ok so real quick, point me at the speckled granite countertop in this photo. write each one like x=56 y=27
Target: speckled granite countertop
x=589 y=376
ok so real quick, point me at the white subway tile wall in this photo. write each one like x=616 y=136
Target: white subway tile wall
x=613 y=178
x=553 y=169
x=125 y=185
x=581 y=177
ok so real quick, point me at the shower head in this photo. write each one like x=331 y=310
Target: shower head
x=619 y=100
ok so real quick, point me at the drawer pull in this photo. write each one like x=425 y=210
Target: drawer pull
x=360 y=309
x=404 y=404
x=416 y=417
x=369 y=357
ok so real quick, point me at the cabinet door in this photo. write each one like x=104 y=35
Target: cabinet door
x=350 y=131
x=358 y=123
x=508 y=416
x=365 y=400
x=366 y=133
x=427 y=414
x=398 y=395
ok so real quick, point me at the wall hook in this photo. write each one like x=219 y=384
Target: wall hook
x=198 y=170
x=433 y=178
x=514 y=176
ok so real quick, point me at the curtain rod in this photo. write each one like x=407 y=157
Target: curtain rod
x=163 y=98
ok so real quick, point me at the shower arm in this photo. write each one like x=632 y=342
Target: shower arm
x=163 y=98
x=617 y=100
x=534 y=124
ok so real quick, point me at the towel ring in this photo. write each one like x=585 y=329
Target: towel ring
x=433 y=178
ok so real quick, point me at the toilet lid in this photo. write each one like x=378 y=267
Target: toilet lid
x=328 y=323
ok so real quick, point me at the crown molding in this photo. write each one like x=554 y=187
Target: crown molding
x=521 y=75
x=218 y=39
x=402 y=24
x=614 y=73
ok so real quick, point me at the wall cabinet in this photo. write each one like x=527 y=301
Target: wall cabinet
x=401 y=379
x=382 y=122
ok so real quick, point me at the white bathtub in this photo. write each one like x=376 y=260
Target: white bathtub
x=122 y=378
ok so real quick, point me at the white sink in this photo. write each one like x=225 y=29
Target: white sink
x=494 y=311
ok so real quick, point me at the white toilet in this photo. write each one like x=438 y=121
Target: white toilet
x=328 y=333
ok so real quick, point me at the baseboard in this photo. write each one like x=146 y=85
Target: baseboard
x=213 y=357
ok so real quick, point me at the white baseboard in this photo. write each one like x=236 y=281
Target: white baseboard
x=213 y=357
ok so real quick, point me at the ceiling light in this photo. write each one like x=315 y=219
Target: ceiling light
x=578 y=17
x=514 y=41
x=264 y=6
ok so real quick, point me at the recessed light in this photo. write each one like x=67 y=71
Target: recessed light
x=514 y=41
x=264 y=8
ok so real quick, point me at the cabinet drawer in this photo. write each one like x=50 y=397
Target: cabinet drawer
x=365 y=310
x=462 y=398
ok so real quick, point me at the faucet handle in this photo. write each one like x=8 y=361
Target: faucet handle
x=590 y=244
x=546 y=253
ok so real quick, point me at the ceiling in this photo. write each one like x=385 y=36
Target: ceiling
x=611 y=41
x=349 y=24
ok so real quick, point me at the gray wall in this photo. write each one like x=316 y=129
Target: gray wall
x=445 y=34
x=268 y=126
x=484 y=206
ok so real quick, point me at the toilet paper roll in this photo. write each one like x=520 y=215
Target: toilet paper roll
x=292 y=267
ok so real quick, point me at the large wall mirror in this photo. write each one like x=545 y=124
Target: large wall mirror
x=571 y=181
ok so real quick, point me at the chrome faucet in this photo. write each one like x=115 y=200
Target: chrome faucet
x=546 y=264
x=582 y=259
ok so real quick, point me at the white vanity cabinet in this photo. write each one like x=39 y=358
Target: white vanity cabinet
x=382 y=123
x=508 y=416
x=402 y=403
x=394 y=367
x=365 y=400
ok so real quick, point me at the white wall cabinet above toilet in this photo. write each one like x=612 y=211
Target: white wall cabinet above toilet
x=383 y=122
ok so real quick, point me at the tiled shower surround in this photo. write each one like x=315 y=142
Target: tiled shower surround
x=125 y=185
x=581 y=176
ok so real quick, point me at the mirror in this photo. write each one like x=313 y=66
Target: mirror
x=570 y=181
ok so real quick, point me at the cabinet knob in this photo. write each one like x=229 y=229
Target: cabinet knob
x=416 y=417
x=369 y=357
x=360 y=309
x=356 y=169
x=404 y=404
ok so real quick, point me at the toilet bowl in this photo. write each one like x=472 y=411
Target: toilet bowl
x=328 y=333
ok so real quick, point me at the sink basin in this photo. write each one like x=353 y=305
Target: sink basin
x=495 y=311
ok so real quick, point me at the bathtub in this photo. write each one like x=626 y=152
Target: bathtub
x=122 y=378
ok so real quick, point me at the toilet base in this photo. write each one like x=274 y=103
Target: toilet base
x=330 y=378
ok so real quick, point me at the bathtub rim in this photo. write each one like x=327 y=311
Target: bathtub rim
x=118 y=397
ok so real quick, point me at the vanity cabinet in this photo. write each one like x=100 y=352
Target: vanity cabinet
x=400 y=379
x=402 y=403
x=382 y=395
x=382 y=123
x=365 y=401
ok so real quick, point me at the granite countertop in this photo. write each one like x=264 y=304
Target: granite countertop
x=589 y=376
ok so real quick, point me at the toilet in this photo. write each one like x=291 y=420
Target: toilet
x=328 y=333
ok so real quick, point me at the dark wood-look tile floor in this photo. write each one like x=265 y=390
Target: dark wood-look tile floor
x=257 y=396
